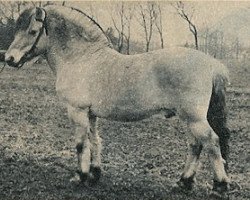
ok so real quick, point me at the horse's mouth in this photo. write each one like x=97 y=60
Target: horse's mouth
x=15 y=65
x=22 y=61
x=19 y=65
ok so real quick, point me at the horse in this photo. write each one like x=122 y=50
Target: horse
x=95 y=81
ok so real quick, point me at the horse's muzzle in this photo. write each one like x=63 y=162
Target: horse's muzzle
x=10 y=60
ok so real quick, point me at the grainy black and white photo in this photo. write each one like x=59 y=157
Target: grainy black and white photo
x=124 y=100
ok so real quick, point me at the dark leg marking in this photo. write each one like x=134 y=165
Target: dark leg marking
x=95 y=173
x=196 y=150
x=220 y=190
x=79 y=148
x=220 y=187
x=83 y=176
x=186 y=183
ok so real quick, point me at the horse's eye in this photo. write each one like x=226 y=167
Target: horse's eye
x=32 y=32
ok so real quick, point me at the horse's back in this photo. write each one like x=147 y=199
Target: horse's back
x=183 y=59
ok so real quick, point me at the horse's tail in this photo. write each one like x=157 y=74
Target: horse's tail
x=217 y=114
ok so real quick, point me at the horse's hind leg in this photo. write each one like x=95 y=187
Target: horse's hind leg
x=209 y=139
x=95 y=148
x=187 y=179
x=81 y=121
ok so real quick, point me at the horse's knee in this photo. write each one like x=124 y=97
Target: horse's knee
x=186 y=183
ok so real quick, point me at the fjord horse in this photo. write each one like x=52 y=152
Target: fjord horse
x=95 y=81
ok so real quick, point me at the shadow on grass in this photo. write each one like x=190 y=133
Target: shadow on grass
x=24 y=177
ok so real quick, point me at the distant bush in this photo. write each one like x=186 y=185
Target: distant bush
x=6 y=34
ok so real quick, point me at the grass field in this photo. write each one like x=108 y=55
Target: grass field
x=141 y=160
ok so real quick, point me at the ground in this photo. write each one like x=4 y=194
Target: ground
x=141 y=160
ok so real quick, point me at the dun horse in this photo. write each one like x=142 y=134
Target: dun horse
x=95 y=81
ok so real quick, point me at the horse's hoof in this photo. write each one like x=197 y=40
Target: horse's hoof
x=186 y=184
x=220 y=190
x=221 y=187
x=95 y=175
x=82 y=176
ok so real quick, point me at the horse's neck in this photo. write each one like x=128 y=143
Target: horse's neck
x=76 y=52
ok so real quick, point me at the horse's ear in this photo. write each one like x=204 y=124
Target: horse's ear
x=40 y=14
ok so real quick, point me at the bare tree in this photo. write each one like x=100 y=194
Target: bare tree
x=146 y=20
x=119 y=26
x=127 y=34
x=3 y=11
x=19 y=5
x=9 y=10
x=180 y=7
x=158 y=22
x=122 y=18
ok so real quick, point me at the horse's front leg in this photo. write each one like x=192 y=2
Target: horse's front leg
x=82 y=128
x=95 y=141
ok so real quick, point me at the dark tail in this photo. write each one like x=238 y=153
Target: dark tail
x=217 y=115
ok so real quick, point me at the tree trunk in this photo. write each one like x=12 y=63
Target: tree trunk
x=162 y=42
x=147 y=47
x=196 y=41
x=128 y=48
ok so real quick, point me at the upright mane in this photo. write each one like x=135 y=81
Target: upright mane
x=23 y=21
x=74 y=21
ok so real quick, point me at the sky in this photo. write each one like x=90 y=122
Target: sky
x=175 y=29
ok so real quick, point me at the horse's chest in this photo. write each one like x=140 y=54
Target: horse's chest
x=72 y=87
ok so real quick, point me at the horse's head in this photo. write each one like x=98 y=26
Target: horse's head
x=30 y=37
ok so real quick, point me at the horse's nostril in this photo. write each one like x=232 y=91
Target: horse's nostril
x=10 y=60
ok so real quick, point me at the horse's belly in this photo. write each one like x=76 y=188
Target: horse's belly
x=127 y=109
x=121 y=114
x=131 y=104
